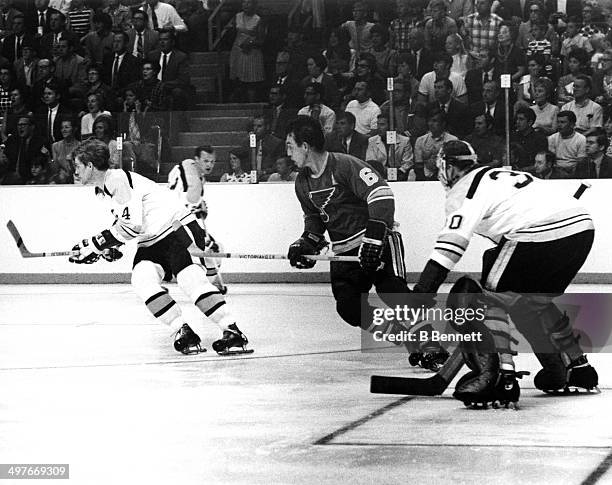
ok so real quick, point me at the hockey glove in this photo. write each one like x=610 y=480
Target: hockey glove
x=85 y=253
x=112 y=254
x=432 y=276
x=372 y=245
x=308 y=243
x=201 y=210
x=211 y=244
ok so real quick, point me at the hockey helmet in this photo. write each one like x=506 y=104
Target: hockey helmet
x=458 y=153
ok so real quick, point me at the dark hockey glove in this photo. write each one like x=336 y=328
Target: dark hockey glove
x=308 y=243
x=201 y=210
x=112 y=254
x=85 y=253
x=211 y=244
x=432 y=276
x=372 y=245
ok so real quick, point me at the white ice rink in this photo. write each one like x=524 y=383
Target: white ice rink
x=89 y=379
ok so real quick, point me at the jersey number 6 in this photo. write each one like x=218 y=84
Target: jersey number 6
x=519 y=185
x=368 y=176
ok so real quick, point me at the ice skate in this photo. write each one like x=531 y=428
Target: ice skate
x=507 y=390
x=479 y=390
x=186 y=341
x=233 y=342
x=582 y=376
x=556 y=379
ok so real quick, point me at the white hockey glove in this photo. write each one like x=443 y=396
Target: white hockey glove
x=85 y=253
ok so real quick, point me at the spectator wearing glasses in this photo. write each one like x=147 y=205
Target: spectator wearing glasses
x=597 y=165
x=536 y=14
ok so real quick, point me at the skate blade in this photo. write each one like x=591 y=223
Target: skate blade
x=483 y=406
x=194 y=350
x=581 y=390
x=225 y=353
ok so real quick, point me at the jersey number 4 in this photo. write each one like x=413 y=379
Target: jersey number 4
x=494 y=175
x=125 y=214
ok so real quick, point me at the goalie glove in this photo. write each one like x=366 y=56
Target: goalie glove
x=308 y=243
x=88 y=251
x=372 y=245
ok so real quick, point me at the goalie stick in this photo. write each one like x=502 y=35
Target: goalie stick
x=436 y=384
x=26 y=253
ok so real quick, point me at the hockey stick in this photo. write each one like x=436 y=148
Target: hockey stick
x=413 y=386
x=583 y=186
x=25 y=253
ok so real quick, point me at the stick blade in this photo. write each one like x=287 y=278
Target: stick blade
x=10 y=225
x=408 y=386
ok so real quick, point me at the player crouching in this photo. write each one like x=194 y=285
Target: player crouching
x=163 y=229
x=543 y=237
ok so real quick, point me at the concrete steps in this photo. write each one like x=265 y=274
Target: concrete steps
x=227 y=138
x=240 y=123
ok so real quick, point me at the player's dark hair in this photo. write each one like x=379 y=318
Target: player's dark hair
x=567 y=114
x=306 y=130
x=528 y=113
x=437 y=112
x=93 y=151
x=204 y=148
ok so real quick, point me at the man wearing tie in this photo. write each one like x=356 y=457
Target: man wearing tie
x=163 y=15
x=40 y=23
x=345 y=139
x=7 y=15
x=12 y=47
x=49 y=116
x=120 y=68
x=22 y=150
x=281 y=114
x=492 y=105
x=142 y=40
x=457 y=114
x=476 y=78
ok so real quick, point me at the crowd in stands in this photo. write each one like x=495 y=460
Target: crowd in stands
x=72 y=70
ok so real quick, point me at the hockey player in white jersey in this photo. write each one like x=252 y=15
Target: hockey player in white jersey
x=148 y=213
x=543 y=236
x=187 y=179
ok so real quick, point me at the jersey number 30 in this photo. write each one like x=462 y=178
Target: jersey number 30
x=519 y=184
x=369 y=177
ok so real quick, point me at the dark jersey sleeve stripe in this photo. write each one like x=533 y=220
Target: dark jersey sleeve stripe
x=476 y=182
x=129 y=177
x=183 y=177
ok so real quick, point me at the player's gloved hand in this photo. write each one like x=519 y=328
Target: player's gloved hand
x=85 y=252
x=112 y=254
x=211 y=244
x=201 y=210
x=432 y=276
x=372 y=245
x=308 y=243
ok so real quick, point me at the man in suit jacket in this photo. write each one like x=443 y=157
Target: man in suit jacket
x=174 y=73
x=26 y=67
x=597 y=165
x=493 y=105
x=423 y=58
x=39 y=20
x=379 y=151
x=51 y=110
x=269 y=148
x=475 y=78
x=57 y=30
x=457 y=114
x=288 y=80
x=345 y=139
x=120 y=68
x=142 y=40
x=316 y=65
x=12 y=46
x=280 y=114
x=573 y=8
x=22 y=150
x=544 y=166
x=514 y=8
x=7 y=15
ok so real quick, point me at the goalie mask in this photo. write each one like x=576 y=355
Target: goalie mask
x=457 y=153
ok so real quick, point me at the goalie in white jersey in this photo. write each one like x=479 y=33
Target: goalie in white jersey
x=164 y=229
x=187 y=180
x=542 y=236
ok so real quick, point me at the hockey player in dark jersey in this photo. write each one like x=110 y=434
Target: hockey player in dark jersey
x=344 y=196
x=543 y=237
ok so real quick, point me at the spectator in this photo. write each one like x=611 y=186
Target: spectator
x=174 y=73
x=99 y=43
x=246 y=57
x=120 y=68
x=439 y=26
x=589 y=115
x=316 y=66
x=577 y=63
x=316 y=109
x=163 y=16
x=40 y=21
x=597 y=164
x=94 y=109
x=25 y=68
x=476 y=78
x=507 y=9
x=48 y=43
x=93 y=85
x=530 y=141
x=458 y=9
x=541 y=45
x=365 y=70
x=509 y=58
x=536 y=14
x=281 y=113
x=70 y=68
x=287 y=78
x=345 y=139
x=386 y=58
x=61 y=168
x=492 y=105
x=608 y=130
x=568 y=145
x=6 y=86
x=150 y=90
x=409 y=13
x=120 y=15
x=488 y=146
x=340 y=57
x=380 y=151
x=269 y=148
x=142 y=40
x=454 y=48
x=405 y=94
x=237 y=158
x=17 y=109
x=21 y=151
x=525 y=91
x=545 y=166
x=546 y=112
x=299 y=52
x=50 y=114
x=441 y=70
x=285 y=171
x=573 y=38
x=359 y=29
x=61 y=5
x=481 y=28
x=457 y=114
x=104 y=131
x=38 y=172
x=12 y=45
x=428 y=146
x=364 y=109
x=45 y=71
x=7 y=16
x=80 y=18
x=589 y=28
x=423 y=58
x=602 y=81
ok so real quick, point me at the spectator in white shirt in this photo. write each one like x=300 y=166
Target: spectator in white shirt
x=568 y=146
x=163 y=16
x=364 y=109
x=442 y=64
x=317 y=110
x=589 y=114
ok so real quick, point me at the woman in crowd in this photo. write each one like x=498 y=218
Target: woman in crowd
x=546 y=112
x=94 y=109
x=577 y=62
x=236 y=173
x=103 y=130
x=61 y=169
x=525 y=92
x=509 y=58
x=454 y=47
